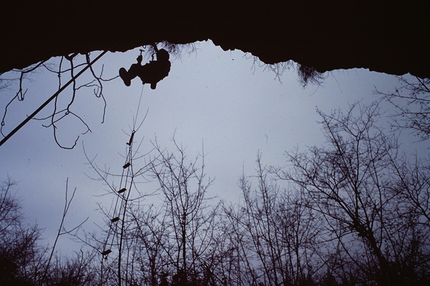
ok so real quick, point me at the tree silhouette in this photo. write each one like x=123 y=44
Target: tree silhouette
x=275 y=233
x=19 y=253
x=356 y=184
x=70 y=72
x=412 y=102
x=191 y=222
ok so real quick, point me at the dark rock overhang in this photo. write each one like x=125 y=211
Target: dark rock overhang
x=390 y=37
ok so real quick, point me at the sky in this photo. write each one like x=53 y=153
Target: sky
x=220 y=103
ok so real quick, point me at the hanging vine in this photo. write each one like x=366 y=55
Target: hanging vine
x=76 y=66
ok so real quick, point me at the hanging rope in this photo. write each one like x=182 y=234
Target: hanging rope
x=117 y=226
x=137 y=112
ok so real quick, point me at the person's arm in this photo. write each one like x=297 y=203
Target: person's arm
x=155 y=47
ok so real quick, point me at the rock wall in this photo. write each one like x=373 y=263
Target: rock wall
x=384 y=36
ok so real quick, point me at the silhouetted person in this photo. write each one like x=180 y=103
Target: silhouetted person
x=151 y=73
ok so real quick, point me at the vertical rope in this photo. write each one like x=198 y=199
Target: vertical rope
x=138 y=108
x=120 y=209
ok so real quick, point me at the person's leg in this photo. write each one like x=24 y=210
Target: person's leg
x=124 y=76
x=134 y=70
x=127 y=76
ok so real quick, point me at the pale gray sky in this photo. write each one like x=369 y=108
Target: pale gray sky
x=212 y=97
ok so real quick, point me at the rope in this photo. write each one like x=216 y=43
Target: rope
x=138 y=108
x=119 y=211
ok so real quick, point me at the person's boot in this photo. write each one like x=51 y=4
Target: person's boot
x=124 y=75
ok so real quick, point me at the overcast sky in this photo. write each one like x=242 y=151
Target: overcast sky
x=213 y=98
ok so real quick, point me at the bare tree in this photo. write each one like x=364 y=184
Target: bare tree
x=20 y=254
x=62 y=231
x=351 y=181
x=76 y=67
x=411 y=100
x=150 y=238
x=76 y=270
x=23 y=261
x=275 y=232
x=413 y=186
x=175 y=239
x=191 y=221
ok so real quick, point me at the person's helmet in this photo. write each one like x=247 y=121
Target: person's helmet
x=162 y=55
